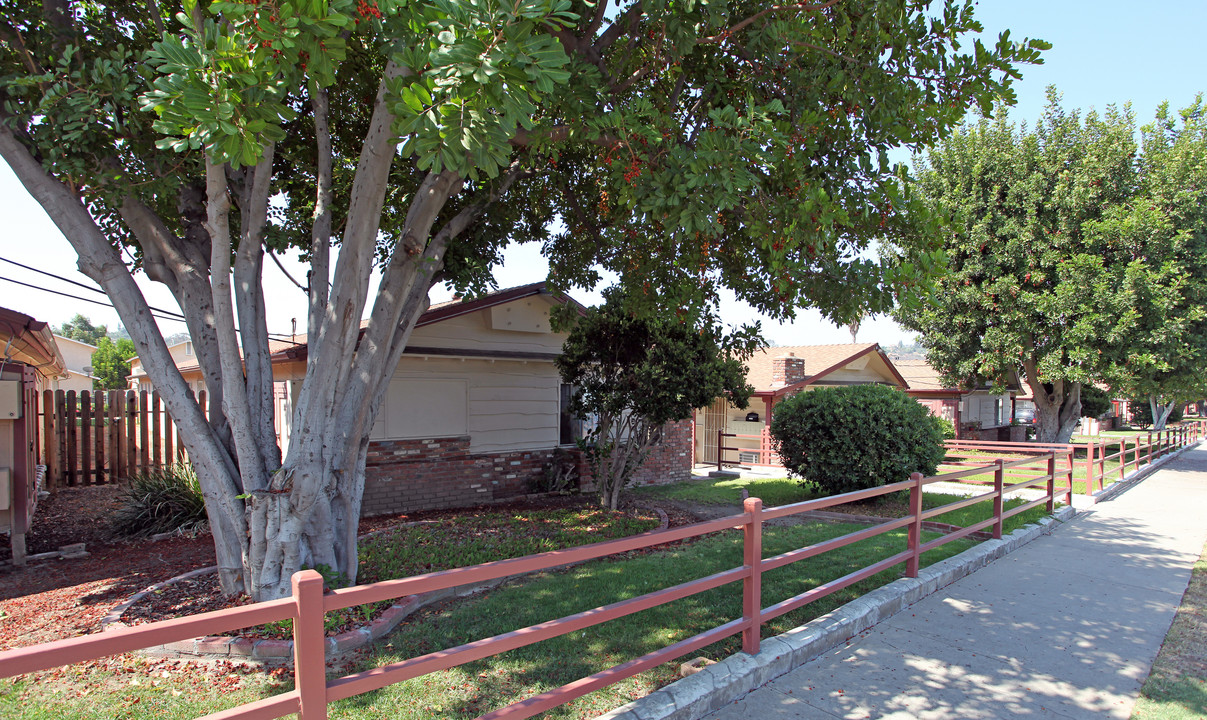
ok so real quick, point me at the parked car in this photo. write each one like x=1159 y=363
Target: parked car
x=1024 y=416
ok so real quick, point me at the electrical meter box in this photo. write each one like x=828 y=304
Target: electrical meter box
x=11 y=400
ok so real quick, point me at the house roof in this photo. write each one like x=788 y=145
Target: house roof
x=59 y=338
x=820 y=361
x=923 y=378
x=920 y=375
x=30 y=341
x=444 y=311
x=189 y=363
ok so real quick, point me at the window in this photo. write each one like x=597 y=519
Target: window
x=188 y=347
x=570 y=428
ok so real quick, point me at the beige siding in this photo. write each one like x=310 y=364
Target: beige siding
x=515 y=327
x=868 y=369
x=503 y=405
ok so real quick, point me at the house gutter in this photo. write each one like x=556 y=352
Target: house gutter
x=33 y=342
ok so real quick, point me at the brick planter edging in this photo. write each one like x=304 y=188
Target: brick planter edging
x=715 y=686
x=280 y=652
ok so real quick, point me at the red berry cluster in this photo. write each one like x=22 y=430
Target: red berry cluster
x=633 y=172
x=368 y=10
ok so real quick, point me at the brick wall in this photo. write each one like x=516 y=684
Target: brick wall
x=670 y=461
x=435 y=473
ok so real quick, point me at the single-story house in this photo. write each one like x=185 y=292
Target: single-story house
x=977 y=413
x=29 y=361
x=77 y=355
x=777 y=373
x=186 y=363
x=475 y=409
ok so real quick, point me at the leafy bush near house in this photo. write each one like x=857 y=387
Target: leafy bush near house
x=947 y=427
x=1095 y=402
x=856 y=437
x=164 y=500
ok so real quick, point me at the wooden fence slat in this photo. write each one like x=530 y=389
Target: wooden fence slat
x=98 y=424
x=131 y=434
x=115 y=425
x=49 y=456
x=169 y=447
x=72 y=418
x=60 y=433
x=85 y=426
x=156 y=429
x=144 y=431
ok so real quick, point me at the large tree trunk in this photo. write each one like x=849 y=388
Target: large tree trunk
x=1160 y=411
x=271 y=518
x=1057 y=410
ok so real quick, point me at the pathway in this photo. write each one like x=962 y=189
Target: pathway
x=1065 y=627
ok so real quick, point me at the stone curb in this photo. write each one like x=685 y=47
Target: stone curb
x=280 y=652
x=718 y=685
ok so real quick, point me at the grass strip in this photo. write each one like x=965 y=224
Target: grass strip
x=783 y=491
x=470 y=690
x=1176 y=688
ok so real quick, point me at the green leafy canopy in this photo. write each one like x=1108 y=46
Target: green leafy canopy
x=685 y=146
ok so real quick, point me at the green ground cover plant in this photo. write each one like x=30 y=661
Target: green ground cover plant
x=162 y=500
x=468 y=691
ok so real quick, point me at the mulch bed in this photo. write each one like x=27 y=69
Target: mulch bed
x=48 y=600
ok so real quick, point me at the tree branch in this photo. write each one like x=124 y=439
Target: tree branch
x=234 y=388
x=810 y=7
x=249 y=303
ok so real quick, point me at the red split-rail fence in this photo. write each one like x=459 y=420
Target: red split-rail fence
x=93 y=438
x=306 y=607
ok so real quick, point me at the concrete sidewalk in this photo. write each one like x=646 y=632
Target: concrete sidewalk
x=1066 y=627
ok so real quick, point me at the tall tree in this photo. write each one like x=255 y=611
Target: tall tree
x=686 y=146
x=632 y=374
x=81 y=328
x=111 y=363
x=1030 y=285
x=1165 y=282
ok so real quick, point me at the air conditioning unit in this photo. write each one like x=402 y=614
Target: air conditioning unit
x=748 y=457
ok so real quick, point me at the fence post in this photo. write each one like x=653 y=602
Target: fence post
x=1089 y=469
x=1051 y=482
x=1122 y=458
x=999 y=480
x=914 y=534
x=309 y=645
x=1149 y=459
x=752 y=586
x=720 y=437
x=1069 y=489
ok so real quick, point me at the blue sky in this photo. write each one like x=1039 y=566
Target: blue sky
x=1103 y=53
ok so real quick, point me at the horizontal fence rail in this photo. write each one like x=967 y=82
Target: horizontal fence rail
x=1049 y=469
x=1125 y=452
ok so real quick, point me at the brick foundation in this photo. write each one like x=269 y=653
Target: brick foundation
x=437 y=473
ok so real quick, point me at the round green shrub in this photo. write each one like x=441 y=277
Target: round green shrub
x=856 y=437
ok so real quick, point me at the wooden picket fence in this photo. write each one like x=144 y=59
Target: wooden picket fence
x=93 y=438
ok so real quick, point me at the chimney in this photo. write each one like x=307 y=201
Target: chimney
x=787 y=370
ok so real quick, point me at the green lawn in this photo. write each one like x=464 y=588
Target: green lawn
x=468 y=691
x=783 y=491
